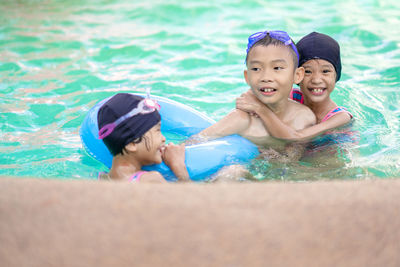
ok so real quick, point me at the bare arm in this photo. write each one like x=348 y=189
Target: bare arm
x=249 y=103
x=236 y=122
x=174 y=157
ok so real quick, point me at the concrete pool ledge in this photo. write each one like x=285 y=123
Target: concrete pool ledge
x=88 y=223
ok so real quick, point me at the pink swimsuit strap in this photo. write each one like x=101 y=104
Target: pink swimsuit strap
x=136 y=176
x=297 y=95
x=335 y=111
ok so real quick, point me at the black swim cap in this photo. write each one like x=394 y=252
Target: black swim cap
x=320 y=46
x=130 y=129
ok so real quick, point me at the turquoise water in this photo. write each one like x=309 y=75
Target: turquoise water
x=58 y=58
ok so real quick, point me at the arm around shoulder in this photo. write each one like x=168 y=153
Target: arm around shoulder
x=335 y=121
x=302 y=117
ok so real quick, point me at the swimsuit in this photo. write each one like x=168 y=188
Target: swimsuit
x=297 y=95
x=134 y=178
x=338 y=136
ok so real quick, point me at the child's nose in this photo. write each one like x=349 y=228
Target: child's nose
x=316 y=78
x=266 y=76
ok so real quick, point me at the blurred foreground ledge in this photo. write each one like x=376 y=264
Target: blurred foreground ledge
x=90 y=223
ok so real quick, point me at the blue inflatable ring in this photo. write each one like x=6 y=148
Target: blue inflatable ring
x=202 y=160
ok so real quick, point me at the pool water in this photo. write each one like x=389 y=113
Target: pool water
x=58 y=58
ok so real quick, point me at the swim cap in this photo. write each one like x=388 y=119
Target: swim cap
x=128 y=130
x=320 y=46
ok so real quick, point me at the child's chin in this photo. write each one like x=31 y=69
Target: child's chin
x=158 y=161
x=154 y=161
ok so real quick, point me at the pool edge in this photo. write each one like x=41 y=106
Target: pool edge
x=46 y=222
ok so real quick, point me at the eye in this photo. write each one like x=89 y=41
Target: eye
x=255 y=69
x=326 y=71
x=307 y=71
x=278 y=68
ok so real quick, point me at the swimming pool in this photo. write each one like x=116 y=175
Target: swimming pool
x=58 y=58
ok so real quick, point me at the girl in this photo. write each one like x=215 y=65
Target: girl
x=130 y=127
x=320 y=58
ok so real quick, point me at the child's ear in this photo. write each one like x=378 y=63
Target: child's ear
x=245 y=76
x=131 y=147
x=298 y=75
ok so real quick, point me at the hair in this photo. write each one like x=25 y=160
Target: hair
x=268 y=40
x=137 y=141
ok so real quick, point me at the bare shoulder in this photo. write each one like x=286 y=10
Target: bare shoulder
x=235 y=122
x=302 y=116
x=239 y=114
x=152 y=177
x=240 y=118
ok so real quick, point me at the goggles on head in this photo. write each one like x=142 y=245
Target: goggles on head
x=145 y=106
x=277 y=35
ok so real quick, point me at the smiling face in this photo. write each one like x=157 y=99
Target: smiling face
x=271 y=73
x=319 y=80
x=149 y=149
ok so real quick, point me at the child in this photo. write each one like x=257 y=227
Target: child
x=320 y=58
x=130 y=128
x=271 y=61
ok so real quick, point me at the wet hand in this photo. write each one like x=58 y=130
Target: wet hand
x=174 y=157
x=248 y=102
x=173 y=153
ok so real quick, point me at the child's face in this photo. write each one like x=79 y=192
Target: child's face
x=149 y=149
x=319 y=80
x=271 y=73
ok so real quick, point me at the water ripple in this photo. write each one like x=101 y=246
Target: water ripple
x=58 y=59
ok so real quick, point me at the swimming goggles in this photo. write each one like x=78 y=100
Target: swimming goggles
x=277 y=35
x=145 y=106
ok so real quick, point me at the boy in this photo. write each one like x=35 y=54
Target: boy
x=271 y=61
